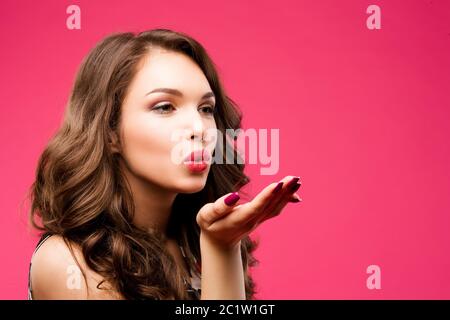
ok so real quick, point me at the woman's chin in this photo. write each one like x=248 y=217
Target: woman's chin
x=191 y=184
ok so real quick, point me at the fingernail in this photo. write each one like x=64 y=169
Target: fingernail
x=232 y=199
x=295 y=187
x=277 y=187
x=296 y=200
x=292 y=182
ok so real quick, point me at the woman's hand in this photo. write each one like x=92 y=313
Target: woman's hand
x=225 y=222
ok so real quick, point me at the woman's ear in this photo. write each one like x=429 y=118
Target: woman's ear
x=114 y=143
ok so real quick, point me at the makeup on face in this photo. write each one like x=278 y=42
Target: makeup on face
x=197 y=161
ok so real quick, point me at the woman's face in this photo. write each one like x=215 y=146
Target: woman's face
x=159 y=128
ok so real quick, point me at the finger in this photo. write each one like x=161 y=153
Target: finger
x=294 y=198
x=278 y=191
x=287 y=195
x=217 y=209
x=259 y=202
x=239 y=215
x=289 y=184
x=252 y=210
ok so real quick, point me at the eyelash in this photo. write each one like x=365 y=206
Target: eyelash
x=161 y=106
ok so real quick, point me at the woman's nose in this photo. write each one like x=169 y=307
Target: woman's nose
x=197 y=131
x=196 y=126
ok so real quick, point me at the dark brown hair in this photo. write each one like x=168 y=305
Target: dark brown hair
x=80 y=193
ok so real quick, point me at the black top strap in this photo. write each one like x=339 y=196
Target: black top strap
x=44 y=237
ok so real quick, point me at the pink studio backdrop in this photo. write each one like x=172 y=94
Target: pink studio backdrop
x=363 y=117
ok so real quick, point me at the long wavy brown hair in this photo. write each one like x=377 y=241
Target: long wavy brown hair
x=80 y=193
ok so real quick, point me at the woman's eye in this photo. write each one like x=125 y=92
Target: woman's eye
x=167 y=108
x=163 y=108
x=208 y=109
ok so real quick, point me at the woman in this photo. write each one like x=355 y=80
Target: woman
x=120 y=218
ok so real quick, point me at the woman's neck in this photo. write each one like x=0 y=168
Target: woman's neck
x=153 y=204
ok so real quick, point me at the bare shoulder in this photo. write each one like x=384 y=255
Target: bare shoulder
x=57 y=272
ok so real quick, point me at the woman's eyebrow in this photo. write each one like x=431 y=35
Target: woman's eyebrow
x=178 y=93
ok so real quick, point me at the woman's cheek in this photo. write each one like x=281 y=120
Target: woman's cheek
x=146 y=147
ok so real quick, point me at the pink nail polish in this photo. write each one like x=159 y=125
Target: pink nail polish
x=293 y=182
x=277 y=187
x=232 y=199
x=295 y=187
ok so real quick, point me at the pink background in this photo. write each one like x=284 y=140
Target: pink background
x=363 y=118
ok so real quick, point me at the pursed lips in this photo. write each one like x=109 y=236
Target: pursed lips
x=201 y=155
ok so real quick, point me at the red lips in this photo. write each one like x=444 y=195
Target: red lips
x=201 y=155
